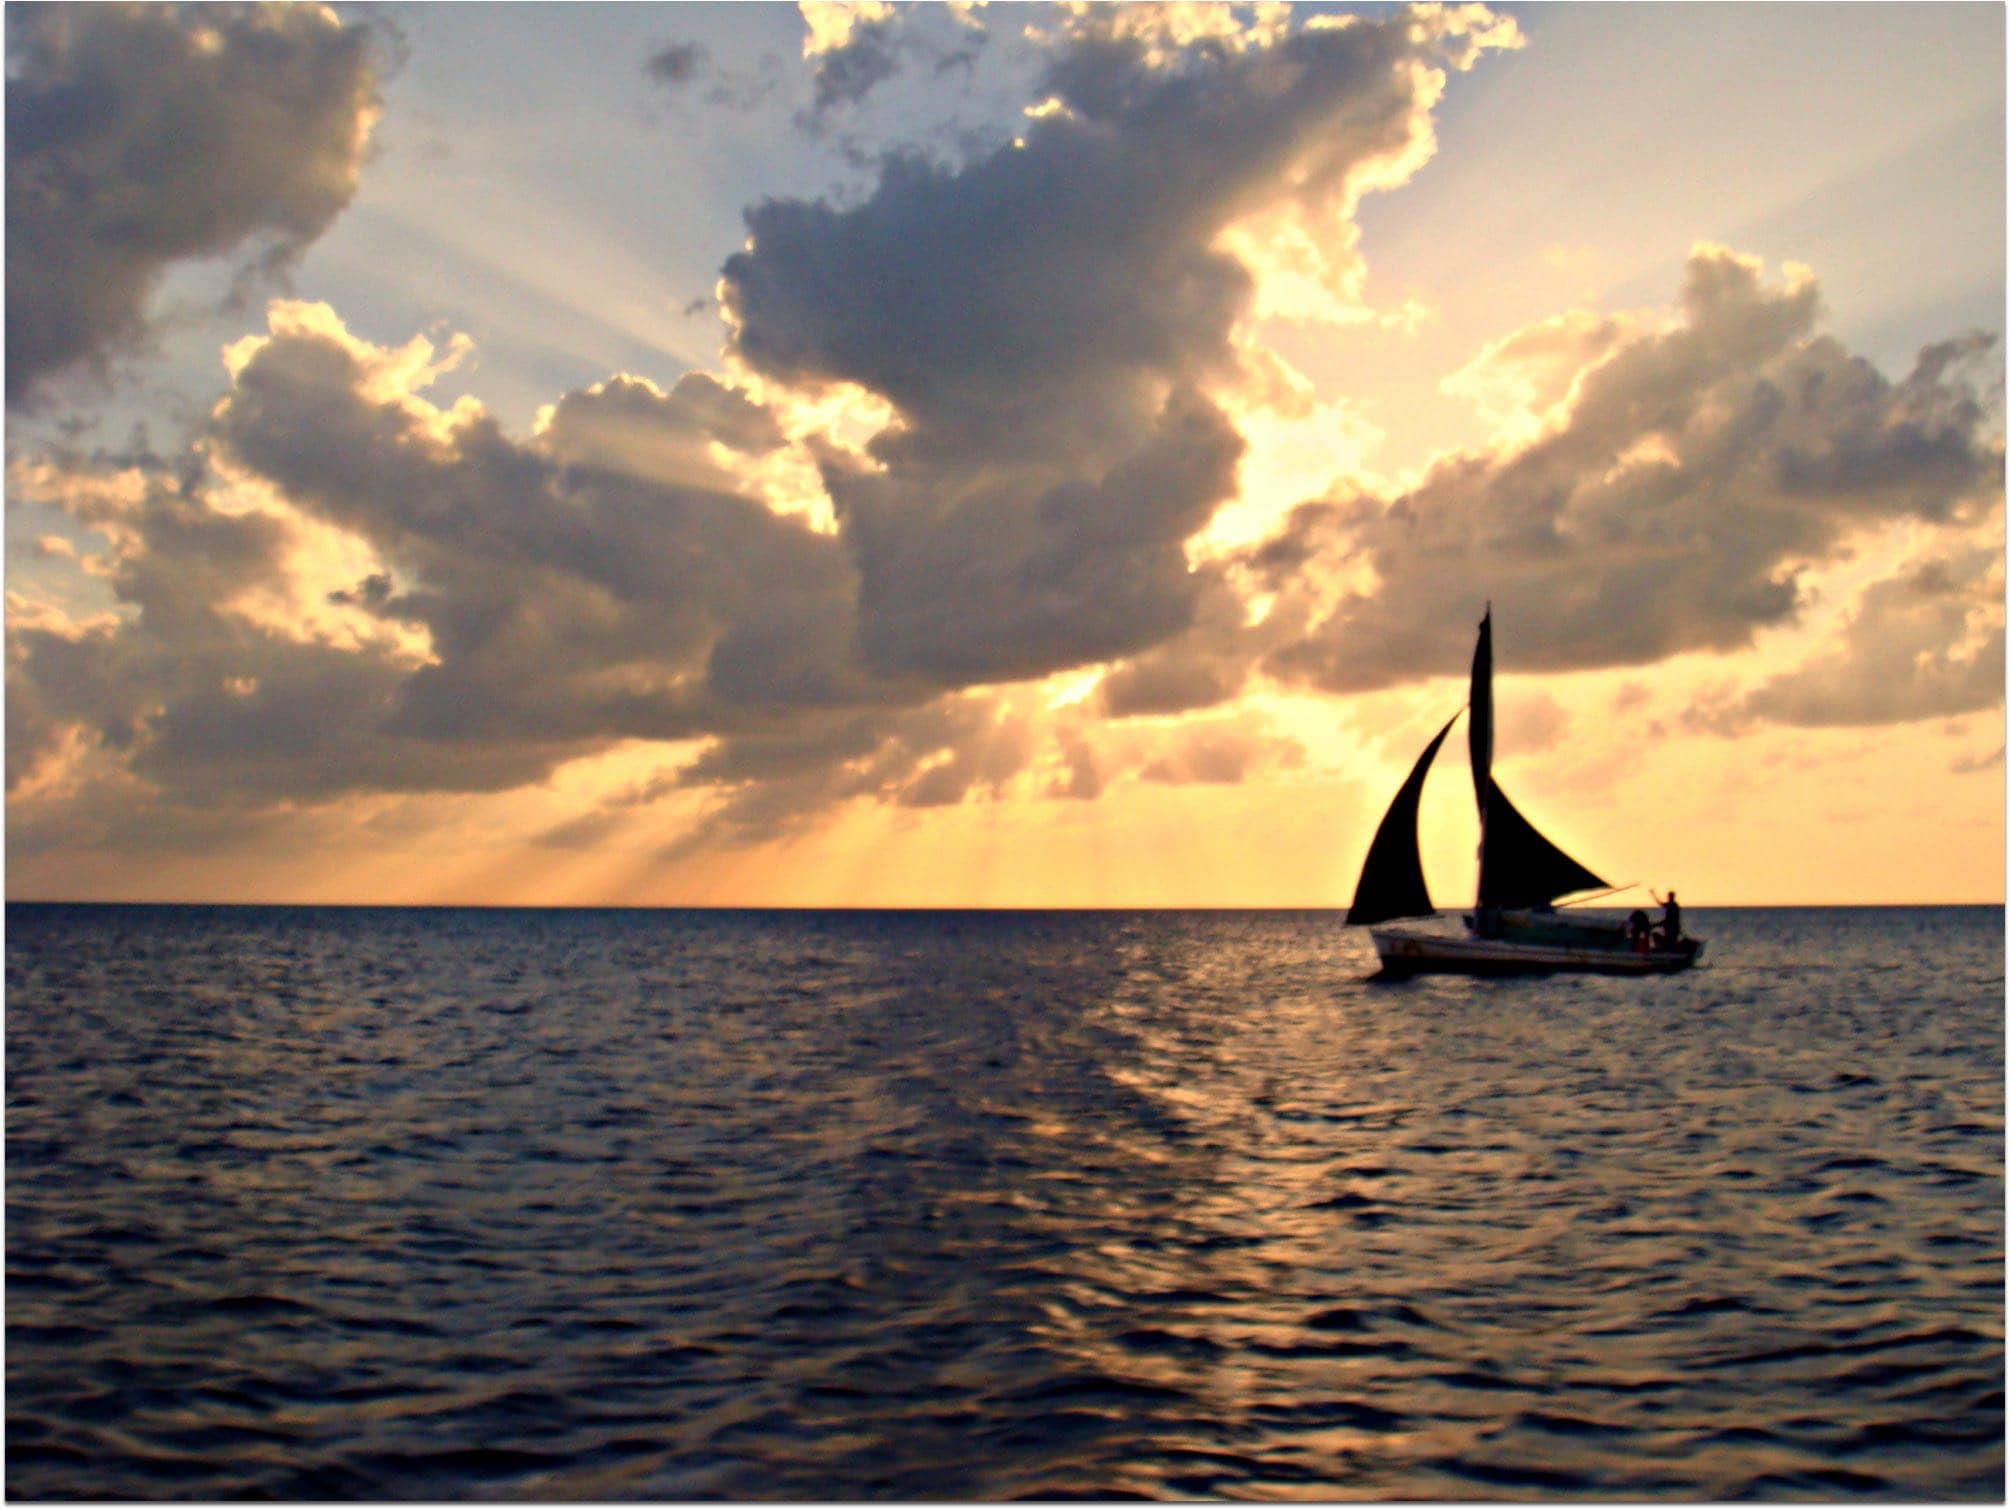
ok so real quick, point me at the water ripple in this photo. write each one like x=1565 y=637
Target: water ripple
x=360 y=1204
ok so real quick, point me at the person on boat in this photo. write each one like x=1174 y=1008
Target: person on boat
x=1671 y=918
x=1640 y=932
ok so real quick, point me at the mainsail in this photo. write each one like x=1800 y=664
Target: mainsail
x=1518 y=866
x=1392 y=878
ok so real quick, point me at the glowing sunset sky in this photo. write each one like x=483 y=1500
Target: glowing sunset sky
x=998 y=455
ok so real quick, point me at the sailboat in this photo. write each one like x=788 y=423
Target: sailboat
x=1514 y=927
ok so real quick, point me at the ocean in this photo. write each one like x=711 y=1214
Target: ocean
x=335 y=1203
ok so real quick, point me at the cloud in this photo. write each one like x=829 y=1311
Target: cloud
x=509 y=606
x=1051 y=322
x=1924 y=644
x=1530 y=721
x=1629 y=696
x=773 y=785
x=140 y=135
x=1220 y=753
x=1022 y=283
x=852 y=47
x=676 y=64
x=1205 y=666
x=611 y=816
x=1969 y=764
x=955 y=749
x=191 y=695
x=1053 y=341
x=1696 y=467
x=855 y=46
x=678 y=67
x=1524 y=381
x=607 y=580
x=1024 y=570
x=611 y=579
x=1082 y=779
x=1048 y=328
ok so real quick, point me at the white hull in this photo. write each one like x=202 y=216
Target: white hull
x=1413 y=951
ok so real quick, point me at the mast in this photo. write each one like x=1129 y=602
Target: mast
x=1518 y=866
x=1480 y=726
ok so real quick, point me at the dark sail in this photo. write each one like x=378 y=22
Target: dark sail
x=1519 y=867
x=1392 y=878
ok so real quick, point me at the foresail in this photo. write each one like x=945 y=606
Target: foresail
x=1392 y=878
x=1519 y=867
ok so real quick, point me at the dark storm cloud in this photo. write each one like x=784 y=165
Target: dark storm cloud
x=1700 y=470
x=140 y=135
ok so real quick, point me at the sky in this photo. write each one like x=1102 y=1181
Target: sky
x=998 y=455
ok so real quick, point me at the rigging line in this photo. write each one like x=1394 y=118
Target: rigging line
x=1609 y=891
x=1420 y=718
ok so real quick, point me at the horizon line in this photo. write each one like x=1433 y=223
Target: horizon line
x=913 y=906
